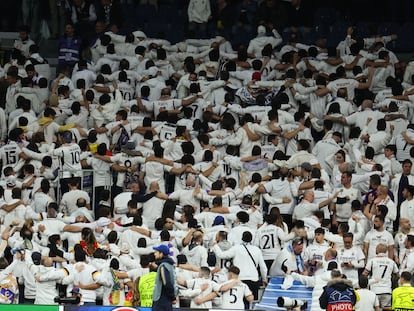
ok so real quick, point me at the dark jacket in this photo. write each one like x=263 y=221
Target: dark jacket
x=338 y=295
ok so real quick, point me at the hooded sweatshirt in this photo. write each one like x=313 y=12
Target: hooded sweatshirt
x=338 y=295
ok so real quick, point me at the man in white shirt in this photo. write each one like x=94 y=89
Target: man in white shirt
x=202 y=289
x=69 y=199
x=368 y=301
x=257 y=44
x=69 y=155
x=314 y=254
x=350 y=257
x=407 y=262
x=24 y=42
x=234 y=291
x=407 y=206
x=326 y=147
x=307 y=207
x=382 y=269
x=250 y=258
x=378 y=235
x=347 y=194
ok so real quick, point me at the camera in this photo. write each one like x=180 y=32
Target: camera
x=75 y=300
x=287 y=302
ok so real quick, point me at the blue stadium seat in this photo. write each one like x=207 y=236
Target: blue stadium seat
x=274 y=291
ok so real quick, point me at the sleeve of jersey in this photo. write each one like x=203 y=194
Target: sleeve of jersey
x=102 y=278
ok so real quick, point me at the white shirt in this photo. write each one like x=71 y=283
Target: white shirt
x=199 y=11
x=353 y=255
x=70 y=159
x=241 y=258
x=349 y=84
x=46 y=288
x=101 y=171
x=304 y=210
x=407 y=209
x=343 y=211
x=269 y=238
x=69 y=199
x=374 y=238
x=195 y=284
x=382 y=269
x=233 y=298
x=278 y=188
x=367 y=300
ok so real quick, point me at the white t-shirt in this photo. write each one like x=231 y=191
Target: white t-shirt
x=233 y=298
x=367 y=300
x=382 y=269
x=353 y=255
x=68 y=201
x=269 y=239
x=69 y=155
x=374 y=238
x=101 y=170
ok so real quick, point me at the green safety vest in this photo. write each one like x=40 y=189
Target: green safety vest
x=403 y=298
x=146 y=288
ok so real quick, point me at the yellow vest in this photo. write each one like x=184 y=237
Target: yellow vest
x=403 y=298
x=146 y=288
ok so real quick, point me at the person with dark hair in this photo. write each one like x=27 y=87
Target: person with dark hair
x=401 y=181
x=146 y=283
x=407 y=262
x=252 y=262
x=88 y=277
x=101 y=172
x=368 y=301
x=69 y=153
x=69 y=48
x=293 y=133
x=235 y=293
x=23 y=43
x=326 y=147
x=376 y=236
x=341 y=210
x=166 y=287
x=338 y=293
x=42 y=198
x=83 y=72
x=201 y=298
x=350 y=257
x=270 y=237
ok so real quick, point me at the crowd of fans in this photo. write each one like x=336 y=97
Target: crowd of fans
x=275 y=159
